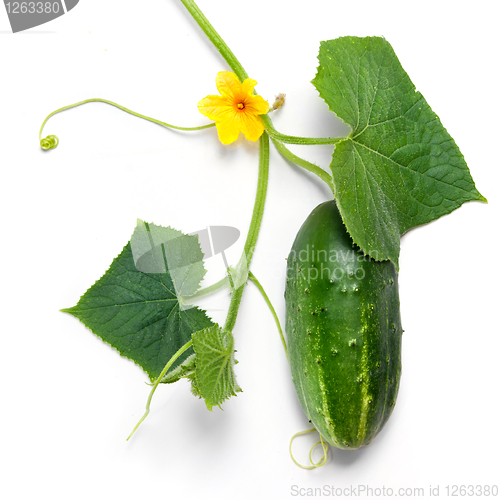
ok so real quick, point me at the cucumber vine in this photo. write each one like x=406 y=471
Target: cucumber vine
x=397 y=169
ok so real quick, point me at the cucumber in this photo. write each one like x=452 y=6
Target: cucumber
x=343 y=331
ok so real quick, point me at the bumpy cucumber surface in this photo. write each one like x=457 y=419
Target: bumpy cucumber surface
x=343 y=331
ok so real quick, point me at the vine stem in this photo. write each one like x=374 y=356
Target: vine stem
x=260 y=198
x=253 y=231
x=216 y=39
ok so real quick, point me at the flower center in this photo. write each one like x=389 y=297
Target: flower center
x=240 y=105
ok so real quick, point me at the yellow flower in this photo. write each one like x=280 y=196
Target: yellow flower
x=236 y=110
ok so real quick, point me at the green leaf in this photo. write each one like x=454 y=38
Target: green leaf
x=399 y=168
x=214 y=379
x=136 y=306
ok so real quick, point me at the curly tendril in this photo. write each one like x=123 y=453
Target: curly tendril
x=324 y=446
x=51 y=141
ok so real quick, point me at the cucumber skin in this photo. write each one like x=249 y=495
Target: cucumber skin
x=343 y=331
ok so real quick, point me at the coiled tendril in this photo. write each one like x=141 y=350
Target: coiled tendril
x=324 y=446
x=50 y=142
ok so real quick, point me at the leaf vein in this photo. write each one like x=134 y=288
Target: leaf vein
x=410 y=169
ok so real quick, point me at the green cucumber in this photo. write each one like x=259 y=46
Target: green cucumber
x=343 y=331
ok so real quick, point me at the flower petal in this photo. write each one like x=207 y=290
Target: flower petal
x=256 y=105
x=228 y=84
x=248 y=85
x=227 y=130
x=215 y=107
x=251 y=125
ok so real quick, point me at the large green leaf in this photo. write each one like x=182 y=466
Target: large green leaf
x=399 y=168
x=136 y=306
x=214 y=378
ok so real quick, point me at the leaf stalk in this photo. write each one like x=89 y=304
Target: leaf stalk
x=302 y=141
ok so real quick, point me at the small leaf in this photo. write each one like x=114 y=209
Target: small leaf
x=214 y=379
x=135 y=306
x=195 y=390
x=399 y=168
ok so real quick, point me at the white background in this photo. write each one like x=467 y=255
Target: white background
x=68 y=401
